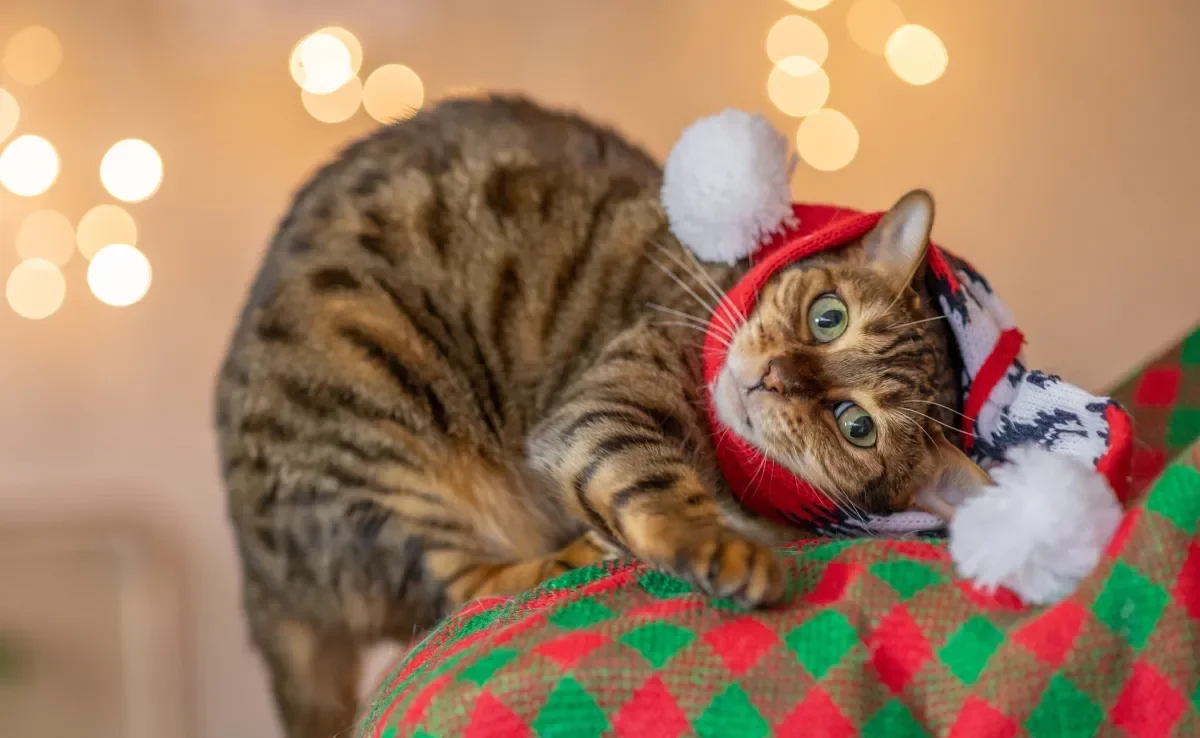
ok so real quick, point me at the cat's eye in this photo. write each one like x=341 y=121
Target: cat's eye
x=828 y=318
x=856 y=424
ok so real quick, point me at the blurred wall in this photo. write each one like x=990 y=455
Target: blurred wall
x=1059 y=144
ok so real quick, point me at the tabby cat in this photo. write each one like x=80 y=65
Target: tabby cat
x=471 y=362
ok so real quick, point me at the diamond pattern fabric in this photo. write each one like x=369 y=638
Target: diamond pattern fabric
x=878 y=639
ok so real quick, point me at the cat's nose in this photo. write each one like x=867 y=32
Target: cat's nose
x=791 y=374
x=780 y=376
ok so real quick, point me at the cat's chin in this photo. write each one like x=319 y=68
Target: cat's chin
x=729 y=399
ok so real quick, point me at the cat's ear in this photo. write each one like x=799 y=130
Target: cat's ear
x=956 y=478
x=897 y=244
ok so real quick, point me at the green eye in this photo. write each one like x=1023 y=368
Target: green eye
x=828 y=318
x=855 y=424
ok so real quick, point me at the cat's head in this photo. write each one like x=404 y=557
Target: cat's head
x=840 y=372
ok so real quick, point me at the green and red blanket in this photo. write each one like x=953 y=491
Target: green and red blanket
x=879 y=639
x=1163 y=399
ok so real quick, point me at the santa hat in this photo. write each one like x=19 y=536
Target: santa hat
x=1059 y=456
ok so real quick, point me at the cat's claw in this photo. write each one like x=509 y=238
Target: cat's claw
x=727 y=565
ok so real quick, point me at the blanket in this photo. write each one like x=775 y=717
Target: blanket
x=878 y=638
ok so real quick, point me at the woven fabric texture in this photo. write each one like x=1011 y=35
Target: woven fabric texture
x=879 y=639
x=1163 y=400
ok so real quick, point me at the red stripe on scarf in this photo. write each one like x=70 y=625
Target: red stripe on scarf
x=993 y=370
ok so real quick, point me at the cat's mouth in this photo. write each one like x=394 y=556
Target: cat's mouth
x=741 y=395
x=738 y=404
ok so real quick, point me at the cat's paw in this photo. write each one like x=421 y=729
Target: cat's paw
x=586 y=550
x=600 y=548
x=726 y=564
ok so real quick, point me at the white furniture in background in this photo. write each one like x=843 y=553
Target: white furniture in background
x=94 y=614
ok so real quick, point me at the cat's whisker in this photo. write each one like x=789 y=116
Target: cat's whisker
x=762 y=467
x=721 y=433
x=697 y=345
x=935 y=420
x=680 y=324
x=732 y=318
x=699 y=272
x=726 y=315
x=712 y=310
x=916 y=322
x=704 y=272
x=839 y=500
x=699 y=300
x=913 y=413
x=755 y=481
x=759 y=473
x=892 y=304
x=846 y=507
x=666 y=269
x=725 y=327
x=947 y=409
x=683 y=324
x=694 y=345
x=673 y=311
x=738 y=314
x=683 y=317
x=919 y=427
x=722 y=332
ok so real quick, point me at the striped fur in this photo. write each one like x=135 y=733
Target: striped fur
x=447 y=383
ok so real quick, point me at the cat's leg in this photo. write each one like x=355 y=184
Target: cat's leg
x=314 y=671
x=325 y=579
x=477 y=524
x=623 y=446
x=467 y=577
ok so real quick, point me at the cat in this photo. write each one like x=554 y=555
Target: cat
x=471 y=362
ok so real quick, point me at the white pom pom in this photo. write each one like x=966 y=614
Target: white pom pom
x=725 y=185
x=1040 y=530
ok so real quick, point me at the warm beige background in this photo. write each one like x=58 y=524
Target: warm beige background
x=1061 y=144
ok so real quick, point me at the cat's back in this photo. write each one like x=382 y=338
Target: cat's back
x=455 y=166
x=480 y=237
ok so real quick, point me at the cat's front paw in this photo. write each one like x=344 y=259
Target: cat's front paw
x=726 y=564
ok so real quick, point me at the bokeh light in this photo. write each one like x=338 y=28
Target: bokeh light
x=827 y=140
x=10 y=114
x=797 y=86
x=810 y=4
x=32 y=55
x=35 y=289
x=321 y=63
x=46 y=234
x=102 y=226
x=337 y=106
x=119 y=275
x=916 y=54
x=28 y=166
x=871 y=22
x=353 y=45
x=131 y=170
x=795 y=35
x=393 y=92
